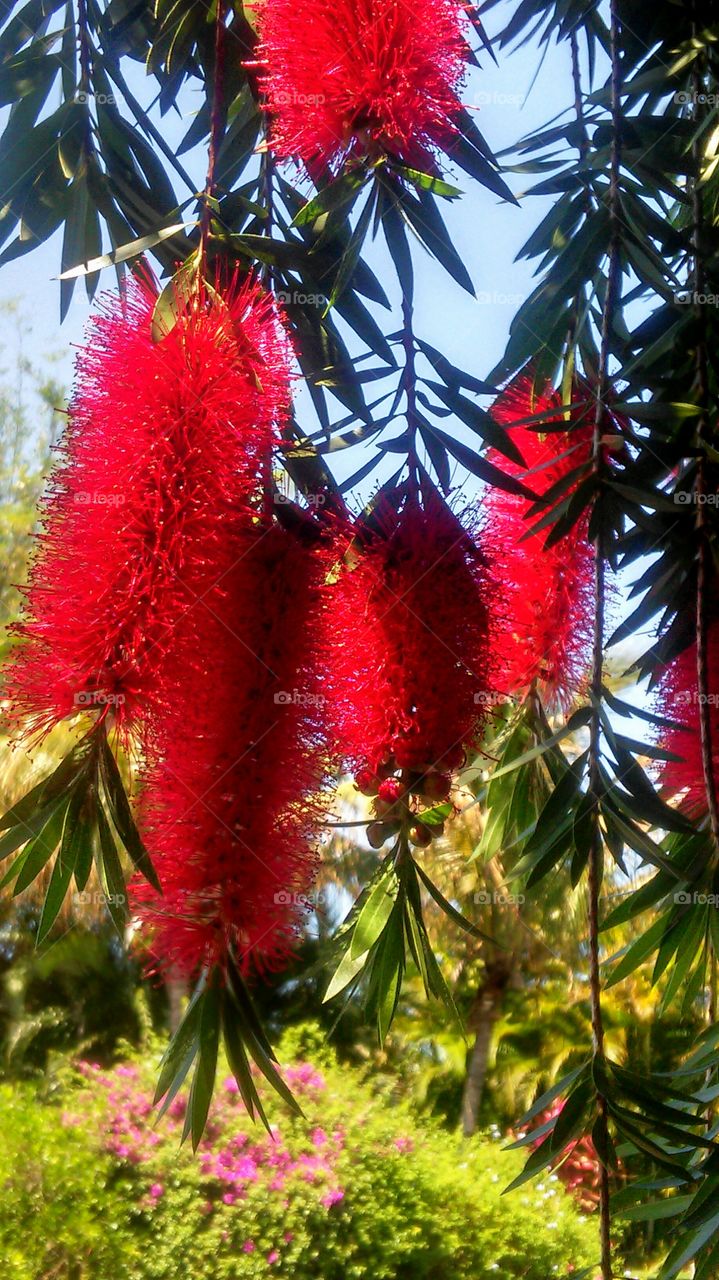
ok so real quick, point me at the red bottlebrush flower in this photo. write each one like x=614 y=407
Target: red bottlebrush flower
x=410 y=657
x=233 y=804
x=362 y=77
x=158 y=461
x=680 y=700
x=543 y=629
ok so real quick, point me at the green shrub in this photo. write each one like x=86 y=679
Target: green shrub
x=93 y=1190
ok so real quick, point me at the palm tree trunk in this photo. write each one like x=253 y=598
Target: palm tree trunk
x=485 y=1012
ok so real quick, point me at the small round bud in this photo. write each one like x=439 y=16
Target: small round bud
x=378 y=833
x=420 y=835
x=366 y=782
x=390 y=790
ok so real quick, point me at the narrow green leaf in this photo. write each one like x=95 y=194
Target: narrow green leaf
x=125 y=252
x=74 y=833
x=123 y=818
x=42 y=847
x=375 y=913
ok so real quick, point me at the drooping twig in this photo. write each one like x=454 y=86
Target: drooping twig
x=216 y=129
x=596 y=856
x=704 y=555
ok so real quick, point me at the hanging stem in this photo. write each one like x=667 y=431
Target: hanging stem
x=409 y=379
x=216 y=130
x=85 y=65
x=596 y=857
x=402 y=256
x=267 y=173
x=266 y=195
x=583 y=148
x=704 y=557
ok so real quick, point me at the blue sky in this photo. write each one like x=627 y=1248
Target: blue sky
x=488 y=234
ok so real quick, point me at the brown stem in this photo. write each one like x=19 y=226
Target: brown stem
x=704 y=558
x=578 y=100
x=596 y=856
x=216 y=129
x=267 y=169
x=409 y=379
x=85 y=63
x=583 y=148
x=267 y=172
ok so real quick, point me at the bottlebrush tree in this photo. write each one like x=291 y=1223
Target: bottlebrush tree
x=206 y=599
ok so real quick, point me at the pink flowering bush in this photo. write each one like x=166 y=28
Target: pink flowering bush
x=355 y=1189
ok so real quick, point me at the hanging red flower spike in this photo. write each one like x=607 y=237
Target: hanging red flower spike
x=362 y=77
x=234 y=802
x=680 y=701
x=159 y=459
x=542 y=628
x=410 y=655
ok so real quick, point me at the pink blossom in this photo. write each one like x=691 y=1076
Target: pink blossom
x=332 y=1197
